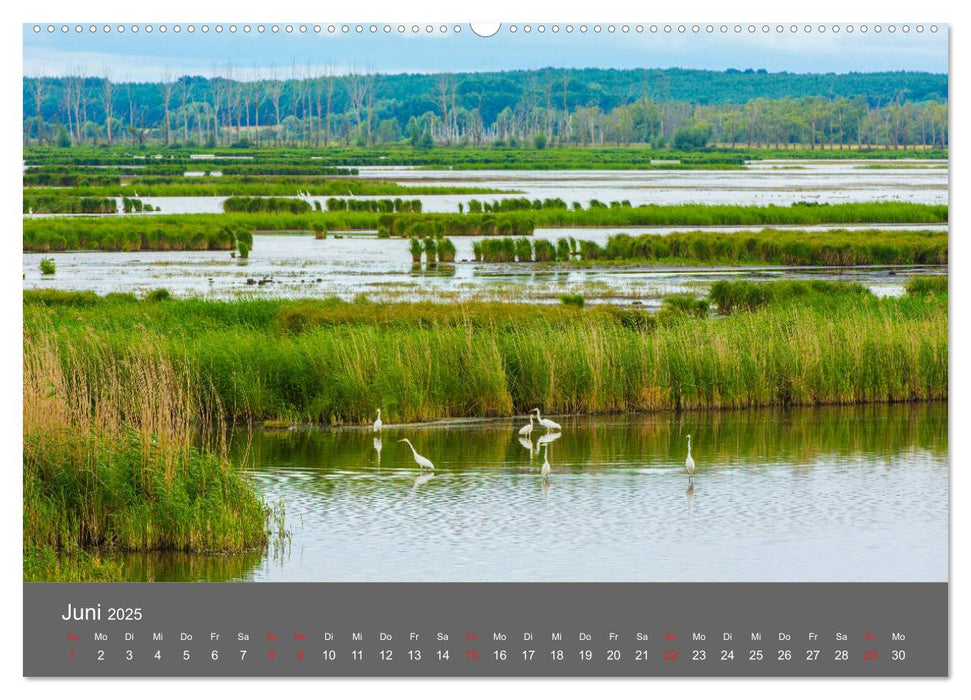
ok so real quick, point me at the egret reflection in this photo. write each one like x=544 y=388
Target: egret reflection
x=528 y=444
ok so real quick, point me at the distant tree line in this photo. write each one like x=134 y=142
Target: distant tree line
x=678 y=108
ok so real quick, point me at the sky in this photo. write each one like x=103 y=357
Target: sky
x=146 y=56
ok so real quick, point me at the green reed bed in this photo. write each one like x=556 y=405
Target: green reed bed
x=927 y=284
x=828 y=248
x=273 y=205
x=333 y=362
x=182 y=231
x=155 y=186
x=173 y=170
x=736 y=215
x=108 y=465
x=381 y=206
x=496 y=157
x=208 y=231
x=67 y=204
x=520 y=222
x=166 y=232
x=770 y=246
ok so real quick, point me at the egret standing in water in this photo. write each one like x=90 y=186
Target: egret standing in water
x=546 y=422
x=377 y=423
x=689 y=463
x=527 y=430
x=546 y=462
x=422 y=462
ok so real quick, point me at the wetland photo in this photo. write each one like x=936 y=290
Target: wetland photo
x=543 y=306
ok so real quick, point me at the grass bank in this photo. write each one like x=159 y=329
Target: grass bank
x=185 y=231
x=498 y=158
x=181 y=186
x=334 y=362
x=107 y=462
x=834 y=248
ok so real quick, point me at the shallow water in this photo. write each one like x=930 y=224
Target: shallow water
x=760 y=183
x=382 y=270
x=849 y=494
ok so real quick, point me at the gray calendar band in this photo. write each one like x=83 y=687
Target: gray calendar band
x=514 y=629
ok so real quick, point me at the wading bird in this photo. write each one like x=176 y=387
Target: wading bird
x=422 y=462
x=689 y=463
x=377 y=423
x=527 y=430
x=546 y=422
x=546 y=462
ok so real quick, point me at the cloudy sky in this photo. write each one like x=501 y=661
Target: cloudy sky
x=148 y=56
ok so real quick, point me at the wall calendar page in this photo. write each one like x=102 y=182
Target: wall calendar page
x=548 y=349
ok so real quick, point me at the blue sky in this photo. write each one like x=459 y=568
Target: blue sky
x=148 y=56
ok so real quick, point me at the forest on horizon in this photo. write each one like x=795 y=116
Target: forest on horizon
x=312 y=106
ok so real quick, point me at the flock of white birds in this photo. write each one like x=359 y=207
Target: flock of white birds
x=525 y=434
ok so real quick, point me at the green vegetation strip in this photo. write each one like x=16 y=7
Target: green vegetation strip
x=187 y=231
x=279 y=160
x=192 y=232
x=334 y=362
x=107 y=462
x=230 y=186
x=769 y=246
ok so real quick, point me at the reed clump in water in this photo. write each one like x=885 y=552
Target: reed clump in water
x=730 y=296
x=107 y=461
x=835 y=248
x=927 y=284
x=332 y=361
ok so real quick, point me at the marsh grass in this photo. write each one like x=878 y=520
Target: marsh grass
x=331 y=361
x=107 y=459
x=446 y=251
x=730 y=296
x=927 y=284
x=685 y=305
x=835 y=248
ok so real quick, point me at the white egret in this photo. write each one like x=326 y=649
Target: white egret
x=377 y=423
x=527 y=430
x=546 y=462
x=422 y=462
x=689 y=463
x=546 y=422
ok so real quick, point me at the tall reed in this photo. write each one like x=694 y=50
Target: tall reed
x=332 y=361
x=108 y=459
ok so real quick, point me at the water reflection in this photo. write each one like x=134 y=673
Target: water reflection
x=181 y=566
x=828 y=494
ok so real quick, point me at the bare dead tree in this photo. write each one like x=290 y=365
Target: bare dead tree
x=443 y=83
x=106 y=99
x=329 y=89
x=38 y=89
x=184 y=94
x=131 y=108
x=275 y=91
x=369 y=89
x=166 y=89
x=356 y=91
